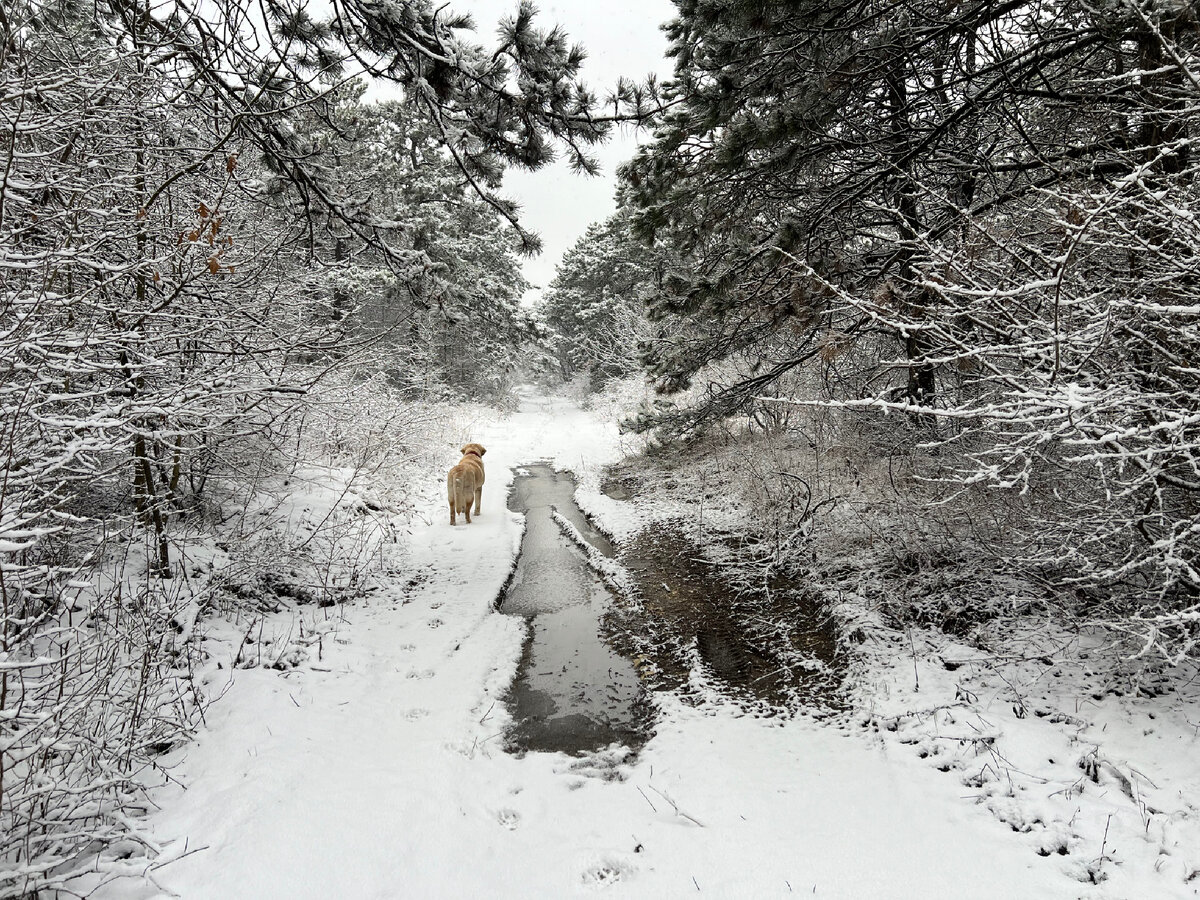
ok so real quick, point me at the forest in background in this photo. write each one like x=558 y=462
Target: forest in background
x=917 y=280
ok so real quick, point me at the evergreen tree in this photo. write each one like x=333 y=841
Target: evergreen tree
x=982 y=215
x=441 y=305
x=595 y=306
x=812 y=153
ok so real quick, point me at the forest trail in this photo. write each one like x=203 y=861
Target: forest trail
x=379 y=772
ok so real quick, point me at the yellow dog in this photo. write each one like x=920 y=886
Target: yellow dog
x=464 y=483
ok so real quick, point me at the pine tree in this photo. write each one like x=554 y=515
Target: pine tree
x=595 y=306
x=812 y=152
x=982 y=216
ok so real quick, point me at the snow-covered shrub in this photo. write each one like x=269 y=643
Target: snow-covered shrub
x=97 y=681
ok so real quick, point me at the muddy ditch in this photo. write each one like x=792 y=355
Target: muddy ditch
x=765 y=644
x=685 y=623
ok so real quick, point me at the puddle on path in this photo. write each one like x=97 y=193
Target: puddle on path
x=766 y=645
x=573 y=692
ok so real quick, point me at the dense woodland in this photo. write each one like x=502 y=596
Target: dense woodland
x=926 y=271
x=960 y=240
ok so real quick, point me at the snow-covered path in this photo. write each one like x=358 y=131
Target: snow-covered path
x=378 y=772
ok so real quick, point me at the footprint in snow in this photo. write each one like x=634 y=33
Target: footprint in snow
x=422 y=674
x=407 y=648
x=414 y=714
x=435 y=623
x=437 y=605
x=509 y=818
x=604 y=873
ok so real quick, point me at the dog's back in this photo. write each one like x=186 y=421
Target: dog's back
x=464 y=483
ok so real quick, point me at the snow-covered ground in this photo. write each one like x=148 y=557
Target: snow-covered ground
x=374 y=769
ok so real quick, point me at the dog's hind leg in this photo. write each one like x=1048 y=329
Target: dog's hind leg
x=450 y=497
x=478 y=499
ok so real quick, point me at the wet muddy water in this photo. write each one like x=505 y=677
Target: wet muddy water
x=573 y=692
x=765 y=644
x=591 y=656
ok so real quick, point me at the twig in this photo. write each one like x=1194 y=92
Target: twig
x=675 y=806
x=647 y=799
x=1103 y=844
x=916 y=676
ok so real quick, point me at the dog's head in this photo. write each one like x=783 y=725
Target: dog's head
x=477 y=449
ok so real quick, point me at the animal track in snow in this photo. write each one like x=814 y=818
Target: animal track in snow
x=509 y=818
x=435 y=623
x=414 y=714
x=604 y=873
x=422 y=673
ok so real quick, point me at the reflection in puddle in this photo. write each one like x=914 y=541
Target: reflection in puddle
x=573 y=692
x=693 y=625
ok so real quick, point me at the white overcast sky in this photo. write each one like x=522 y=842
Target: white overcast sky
x=622 y=37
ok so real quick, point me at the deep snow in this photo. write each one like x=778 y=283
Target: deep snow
x=377 y=770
